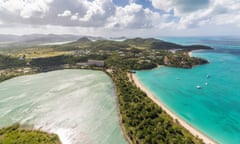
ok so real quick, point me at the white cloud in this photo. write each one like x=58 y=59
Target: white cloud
x=165 y=5
x=133 y=16
x=66 y=13
x=180 y=6
x=197 y=13
x=25 y=9
x=84 y=13
x=74 y=17
x=97 y=13
x=174 y=15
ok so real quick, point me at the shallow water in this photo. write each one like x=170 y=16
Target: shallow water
x=214 y=109
x=78 y=105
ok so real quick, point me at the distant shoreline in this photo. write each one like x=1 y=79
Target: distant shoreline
x=183 y=123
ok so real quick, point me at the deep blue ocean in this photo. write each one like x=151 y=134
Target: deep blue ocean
x=215 y=108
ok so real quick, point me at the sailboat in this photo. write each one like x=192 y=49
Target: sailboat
x=208 y=76
x=198 y=87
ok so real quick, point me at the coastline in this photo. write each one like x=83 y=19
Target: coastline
x=190 y=53
x=137 y=82
x=123 y=130
x=187 y=126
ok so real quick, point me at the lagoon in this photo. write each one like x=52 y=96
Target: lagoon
x=78 y=105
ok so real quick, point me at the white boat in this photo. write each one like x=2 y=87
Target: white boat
x=206 y=84
x=198 y=87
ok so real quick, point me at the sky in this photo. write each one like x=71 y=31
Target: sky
x=116 y=18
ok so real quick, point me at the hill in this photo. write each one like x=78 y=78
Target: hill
x=84 y=40
x=159 y=44
x=139 y=43
x=18 y=135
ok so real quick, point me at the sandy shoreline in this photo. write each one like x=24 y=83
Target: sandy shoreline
x=190 y=54
x=192 y=130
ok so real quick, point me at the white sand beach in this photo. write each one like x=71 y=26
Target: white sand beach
x=190 y=54
x=194 y=131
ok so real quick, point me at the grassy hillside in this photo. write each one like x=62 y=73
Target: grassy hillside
x=17 y=135
x=148 y=43
x=159 y=44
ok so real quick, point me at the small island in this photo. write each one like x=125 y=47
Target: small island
x=142 y=120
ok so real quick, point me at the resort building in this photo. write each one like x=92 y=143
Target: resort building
x=98 y=63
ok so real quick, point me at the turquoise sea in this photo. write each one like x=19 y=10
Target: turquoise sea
x=214 y=109
x=78 y=105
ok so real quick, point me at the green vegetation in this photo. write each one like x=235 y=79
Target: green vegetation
x=182 y=60
x=148 y=43
x=128 y=62
x=17 y=135
x=142 y=53
x=144 y=121
x=5 y=77
x=34 y=52
x=10 y=62
x=56 y=61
